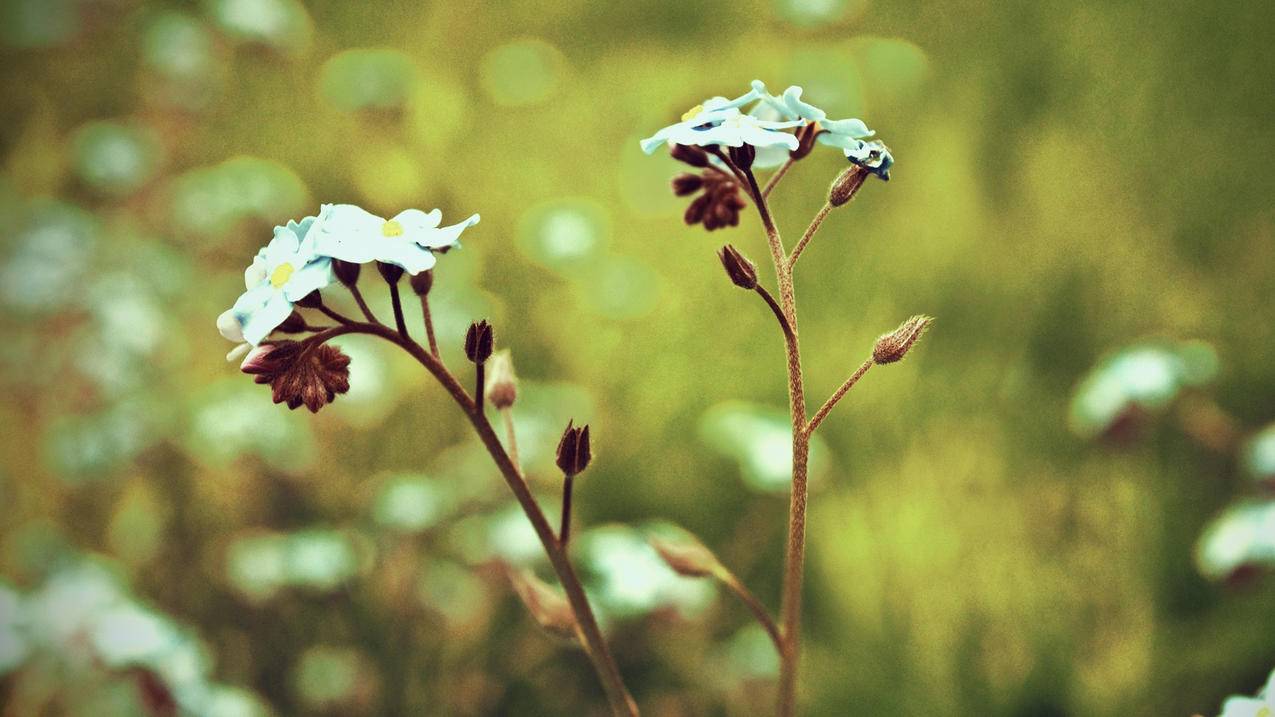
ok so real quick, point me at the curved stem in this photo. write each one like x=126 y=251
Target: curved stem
x=837 y=395
x=810 y=233
x=333 y=314
x=397 y=301
x=358 y=299
x=779 y=313
x=778 y=175
x=754 y=606
x=511 y=439
x=595 y=646
x=429 y=325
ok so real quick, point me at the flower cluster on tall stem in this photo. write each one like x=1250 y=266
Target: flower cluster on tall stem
x=309 y=257
x=715 y=137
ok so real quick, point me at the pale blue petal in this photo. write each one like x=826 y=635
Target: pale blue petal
x=313 y=276
x=759 y=137
x=415 y=219
x=267 y=318
x=428 y=236
x=770 y=157
x=792 y=100
x=256 y=272
x=849 y=127
x=412 y=258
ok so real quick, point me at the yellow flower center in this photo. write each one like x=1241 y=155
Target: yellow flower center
x=1264 y=712
x=280 y=275
x=391 y=229
x=692 y=112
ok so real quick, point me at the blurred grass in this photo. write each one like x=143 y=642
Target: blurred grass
x=1071 y=177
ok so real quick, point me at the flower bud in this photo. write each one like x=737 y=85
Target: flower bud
x=693 y=156
x=806 y=135
x=347 y=272
x=502 y=385
x=846 y=185
x=422 y=282
x=390 y=272
x=229 y=327
x=686 y=555
x=478 y=342
x=695 y=212
x=687 y=183
x=294 y=324
x=573 y=450
x=742 y=155
x=896 y=344
x=312 y=300
x=742 y=272
x=548 y=606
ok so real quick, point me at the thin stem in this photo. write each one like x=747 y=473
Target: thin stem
x=810 y=233
x=333 y=314
x=778 y=175
x=595 y=646
x=795 y=553
x=429 y=325
x=837 y=395
x=480 y=383
x=397 y=302
x=754 y=606
x=358 y=299
x=511 y=439
x=564 y=534
x=779 y=313
x=734 y=168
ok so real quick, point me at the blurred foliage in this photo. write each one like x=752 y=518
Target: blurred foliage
x=1064 y=190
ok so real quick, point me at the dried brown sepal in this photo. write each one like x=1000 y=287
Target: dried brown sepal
x=547 y=606
x=573 y=454
x=422 y=282
x=720 y=203
x=742 y=272
x=895 y=345
x=294 y=324
x=686 y=555
x=300 y=374
x=742 y=155
x=693 y=156
x=390 y=272
x=686 y=183
x=502 y=384
x=846 y=185
x=347 y=272
x=806 y=135
x=479 y=341
x=311 y=300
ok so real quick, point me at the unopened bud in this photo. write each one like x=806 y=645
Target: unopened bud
x=846 y=185
x=740 y=270
x=478 y=342
x=390 y=272
x=695 y=212
x=743 y=155
x=573 y=450
x=502 y=384
x=896 y=344
x=347 y=272
x=693 y=156
x=294 y=324
x=686 y=555
x=548 y=606
x=311 y=300
x=687 y=183
x=806 y=135
x=422 y=282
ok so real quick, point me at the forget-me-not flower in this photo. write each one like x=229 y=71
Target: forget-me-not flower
x=408 y=240
x=1261 y=706
x=843 y=133
x=282 y=273
x=873 y=156
x=718 y=121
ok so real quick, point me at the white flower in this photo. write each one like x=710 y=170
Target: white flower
x=408 y=240
x=719 y=121
x=282 y=273
x=1261 y=706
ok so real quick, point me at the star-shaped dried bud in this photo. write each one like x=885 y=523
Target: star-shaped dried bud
x=742 y=155
x=573 y=450
x=740 y=270
x=896 y=344
x=300 y=373
x=478 y=342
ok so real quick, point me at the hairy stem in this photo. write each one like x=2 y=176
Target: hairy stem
x=778 y=175
x=595 y=646
x=837 y=395
x=754 y=606
x=429 y=325
x=810 y=233
x=333 y=314
x=358 y=299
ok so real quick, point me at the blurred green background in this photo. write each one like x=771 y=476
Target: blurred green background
x=1072 y=178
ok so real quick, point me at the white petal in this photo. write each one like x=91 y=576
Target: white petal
x=406 y=254
x=416 y=219
x=256 y=272
x=229 y=326
x=311 y=277
x=444 y=237
x=238 y=351
x=266 y=319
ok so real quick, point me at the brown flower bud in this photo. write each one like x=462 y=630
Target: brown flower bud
x=687 y=183
x=846 y=185
x=502 y=385
x=740 y=270
x=479 y=341
x=311 y=300
x=390 y=272
x=806 y=135
x=422 y=282
x=896 y=344
x=300 y=374
x=742 y=155
x=693 y=156
x=695 y=212
x=548 y=606
x=347 y=272
x=686 y=555
x=573 y=450
x=294 y=324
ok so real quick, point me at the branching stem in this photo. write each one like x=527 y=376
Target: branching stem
x=810 y=233
x=778 y=175
x=837 y=395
